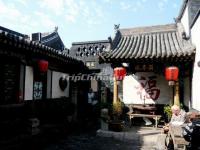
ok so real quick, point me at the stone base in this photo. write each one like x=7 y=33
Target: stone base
x=104 y=125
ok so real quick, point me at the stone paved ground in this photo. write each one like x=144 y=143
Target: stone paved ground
x=135 y=139
x=92 y=142
x=88 y=137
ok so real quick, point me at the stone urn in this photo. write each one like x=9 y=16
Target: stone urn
x=104 y=119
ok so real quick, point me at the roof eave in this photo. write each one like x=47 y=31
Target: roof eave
x=32 y=45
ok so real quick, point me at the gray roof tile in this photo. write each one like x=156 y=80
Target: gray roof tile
x=32 y=47
x=161 y=41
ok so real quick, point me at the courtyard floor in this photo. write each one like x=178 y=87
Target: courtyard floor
x=135 y=138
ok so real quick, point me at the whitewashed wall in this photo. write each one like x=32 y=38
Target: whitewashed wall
x=56 y=91
x=134 y=93
x=28 y=89
x=185 y=21
x=195 y=33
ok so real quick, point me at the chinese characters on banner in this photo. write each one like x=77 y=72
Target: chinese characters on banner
x=37 y=90
x=147 y=88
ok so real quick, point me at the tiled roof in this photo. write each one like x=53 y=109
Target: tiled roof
x=155 y=42
x=52 y=40
x=26 y=46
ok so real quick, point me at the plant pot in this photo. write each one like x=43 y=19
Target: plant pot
x=116 y=125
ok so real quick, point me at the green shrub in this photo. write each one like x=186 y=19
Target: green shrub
x=168 y=111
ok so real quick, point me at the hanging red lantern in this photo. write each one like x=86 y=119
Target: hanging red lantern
x=171 y=74
x=119 y=73
x=43 y=65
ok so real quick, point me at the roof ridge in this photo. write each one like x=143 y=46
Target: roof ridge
x=90 y=42
x=147 y=33
x=149 y=29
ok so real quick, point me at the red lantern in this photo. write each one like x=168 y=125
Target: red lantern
x=43 y=65
x=171 y=74
x=119 y=73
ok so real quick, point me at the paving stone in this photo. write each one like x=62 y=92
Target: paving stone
x=132 y=139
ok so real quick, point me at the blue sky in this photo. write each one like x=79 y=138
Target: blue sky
x=85 y=20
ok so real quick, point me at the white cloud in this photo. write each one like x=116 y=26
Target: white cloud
x=134 y=9
x=161 y=5
x=107 y=1
x=132 y=6
x=98 y=11
x=23 y=2
x=86 y=12
x=9 y=12
x=44 y=20
x=72 y=11
x=139 y=4
x=15 y=19
x=92 y=22
x=70 y=18
x=89 y=14
x=175 y=5
x=125 y=6
x=56 y=6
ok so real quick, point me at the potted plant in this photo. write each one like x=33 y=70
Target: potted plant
x=116 y=110
x=116 y=123
x=168 y=112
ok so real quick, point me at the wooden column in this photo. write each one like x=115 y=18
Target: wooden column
x=115 y=91
x=176 y=94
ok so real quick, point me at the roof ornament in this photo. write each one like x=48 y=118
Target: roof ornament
x=116 y=27
x=56 y=29
x=110 y=39
x=185 y=36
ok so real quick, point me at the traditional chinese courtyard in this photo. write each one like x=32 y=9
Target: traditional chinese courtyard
x=111 y=94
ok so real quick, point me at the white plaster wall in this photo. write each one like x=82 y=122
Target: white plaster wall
x=56 y=91
x=195 y=34
x=28 y=89
x=134 y=95
x=185 y=21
